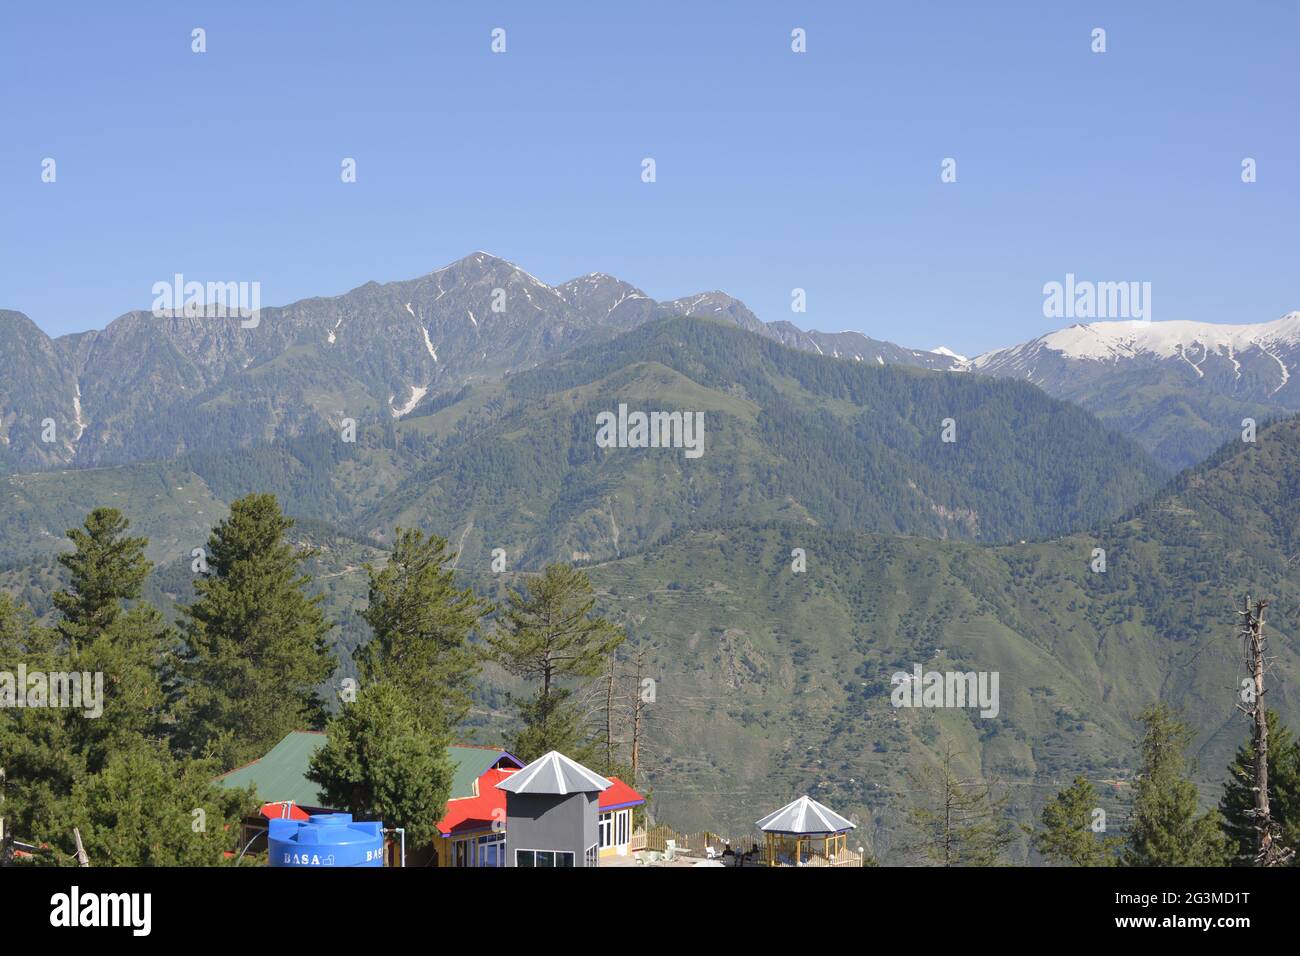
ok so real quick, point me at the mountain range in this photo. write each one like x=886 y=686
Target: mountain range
x=153 y=388
x=975 y=553
x=513 y=463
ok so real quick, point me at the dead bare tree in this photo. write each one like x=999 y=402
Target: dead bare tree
x=611 y=681
x=82 y=859
x=1269 y=850
x=638 y=710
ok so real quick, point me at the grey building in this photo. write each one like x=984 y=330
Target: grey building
x=551 y=809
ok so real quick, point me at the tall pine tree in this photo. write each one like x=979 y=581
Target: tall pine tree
x=549 y=634
x=1238 y=799
x=422 y=625
x=1067 y=834
x=1167 y=828
x=113 y=650
x=253 y=643
x=106 y=568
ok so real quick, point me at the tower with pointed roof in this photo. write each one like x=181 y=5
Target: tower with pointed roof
x=551 y=810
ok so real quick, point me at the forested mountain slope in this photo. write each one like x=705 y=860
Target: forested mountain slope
x=787 y=675
x=788 y=435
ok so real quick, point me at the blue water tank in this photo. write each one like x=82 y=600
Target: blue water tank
x=325 y=839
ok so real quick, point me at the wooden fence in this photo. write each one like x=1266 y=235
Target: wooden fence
x=692 y=843
x=842 y=858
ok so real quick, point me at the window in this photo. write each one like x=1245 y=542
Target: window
x=550 y=858
x=615 y=828
x=491 y=850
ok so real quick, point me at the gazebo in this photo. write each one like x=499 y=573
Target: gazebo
x=805 y=832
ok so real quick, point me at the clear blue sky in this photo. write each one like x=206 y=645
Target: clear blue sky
x=775 y=170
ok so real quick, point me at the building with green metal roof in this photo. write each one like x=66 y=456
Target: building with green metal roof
x=281 y=775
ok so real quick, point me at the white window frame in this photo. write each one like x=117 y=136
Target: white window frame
x=483 y=842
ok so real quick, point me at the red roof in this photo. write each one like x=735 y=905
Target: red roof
x=283 y=810
x=472 y=814
x=469 y=814
x=619 y=795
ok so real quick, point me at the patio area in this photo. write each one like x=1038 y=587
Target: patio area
x=663 y=846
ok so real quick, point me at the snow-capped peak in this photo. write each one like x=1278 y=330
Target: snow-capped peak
x=949 y=353
x=1111 y=341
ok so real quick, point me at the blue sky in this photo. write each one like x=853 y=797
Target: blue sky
x=775 y=170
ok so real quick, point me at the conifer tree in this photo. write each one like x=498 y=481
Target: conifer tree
x=549 y=634
x=124 y=659
x=37 y=757
x=1167 y=828
x=106 y=568
x=253 y=643
x=1067 y=834
x=50 y=752
x=422 y=625
x=381 y=762
x=147 y=808
x=958 y=820
x=1238 y=801
x=104 y=765
x=114 y=647
x=115 y=653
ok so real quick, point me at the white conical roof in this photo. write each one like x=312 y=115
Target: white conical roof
x=554 y=773
x=804 y=815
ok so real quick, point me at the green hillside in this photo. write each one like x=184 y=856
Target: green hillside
x=167 y=503
x=789 y=436
x=785 y=677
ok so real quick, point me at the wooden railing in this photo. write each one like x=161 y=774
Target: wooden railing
x=842 y=858
x=693 y=843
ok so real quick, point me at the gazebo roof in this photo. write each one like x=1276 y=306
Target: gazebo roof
x=554 y=773
x=804 y=816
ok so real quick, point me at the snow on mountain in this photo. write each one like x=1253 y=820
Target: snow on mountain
x=1180 y=388
x=1113 y=341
